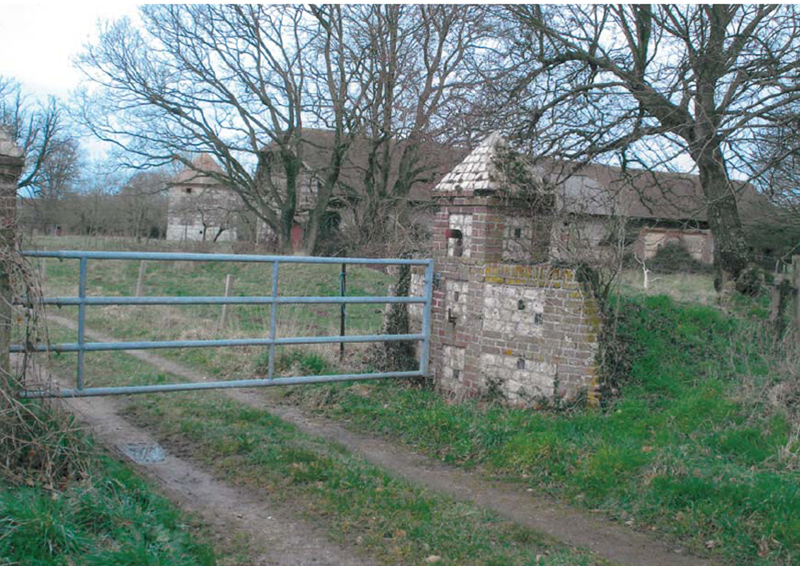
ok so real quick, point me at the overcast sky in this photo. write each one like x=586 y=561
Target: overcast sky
x=39 y=41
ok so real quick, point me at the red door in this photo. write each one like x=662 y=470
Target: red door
x=297 y=238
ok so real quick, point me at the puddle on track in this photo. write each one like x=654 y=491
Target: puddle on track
x=143 y=453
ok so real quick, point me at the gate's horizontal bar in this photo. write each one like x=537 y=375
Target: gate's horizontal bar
x=106 y=346
x=171 y=256
x=67 y=301
x=162 y=388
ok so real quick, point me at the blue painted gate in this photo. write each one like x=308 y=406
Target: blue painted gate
x=82 y=301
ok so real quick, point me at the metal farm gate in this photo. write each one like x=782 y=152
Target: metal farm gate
x=273 y=299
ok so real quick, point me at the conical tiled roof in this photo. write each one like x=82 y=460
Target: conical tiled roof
x=193 y=175
x=478 y=172
x=7 y=146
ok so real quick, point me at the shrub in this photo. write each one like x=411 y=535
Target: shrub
x=296 y=361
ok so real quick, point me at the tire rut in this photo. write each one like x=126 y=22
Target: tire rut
x=275 y=536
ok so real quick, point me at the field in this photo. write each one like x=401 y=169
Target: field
x=698 y=445
x=201 y=322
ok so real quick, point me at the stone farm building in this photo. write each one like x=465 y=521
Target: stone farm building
x=590 y=201
x=200 y=208
x=351 y=200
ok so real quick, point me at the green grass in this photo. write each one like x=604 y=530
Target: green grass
x=683 y=450
x=112 y=518
x=690 y=448
x=359 y=504
x=686 y=287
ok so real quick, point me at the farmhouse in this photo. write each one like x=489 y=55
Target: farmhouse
x=364 y=188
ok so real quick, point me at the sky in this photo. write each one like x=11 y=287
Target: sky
x=39 y=41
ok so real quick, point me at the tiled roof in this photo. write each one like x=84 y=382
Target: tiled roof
x=433 y=161
x=194 y=176
x=638 y=193
x=478 y=171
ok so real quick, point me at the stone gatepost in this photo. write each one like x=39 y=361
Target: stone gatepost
x=11 y=164
x=506 y=321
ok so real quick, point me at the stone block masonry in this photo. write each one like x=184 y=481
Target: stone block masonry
x=504 y=319
x=529 y=332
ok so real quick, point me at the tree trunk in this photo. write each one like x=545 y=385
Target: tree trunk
x=731 y=252
x=373 y=228
x=291 y=166
x=324 y=194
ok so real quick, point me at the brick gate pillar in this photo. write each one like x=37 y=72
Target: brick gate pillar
x=506 y=321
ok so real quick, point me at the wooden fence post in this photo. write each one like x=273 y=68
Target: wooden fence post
x=11 y=163
x=140 y=278
x=796 y=285
x=224 y=315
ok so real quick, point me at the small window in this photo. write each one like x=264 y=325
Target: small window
x=188 y=190
x=537 y=318
x=517 y=232
x=456 y=374
x=455 y=239
x=520 y=363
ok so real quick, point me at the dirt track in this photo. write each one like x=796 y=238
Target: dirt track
x=574 y=527
x=276 y=537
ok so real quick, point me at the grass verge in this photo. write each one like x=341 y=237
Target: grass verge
x=112 y=517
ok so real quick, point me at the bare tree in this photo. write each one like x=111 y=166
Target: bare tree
x=776 y=232
x=143 y=204
x=778 y=160
x=417 y=81
x=58 y=176
x=37 y=129
x=653 y=84
x=238 y=82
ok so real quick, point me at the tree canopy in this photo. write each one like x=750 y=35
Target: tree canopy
x=651 y=84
